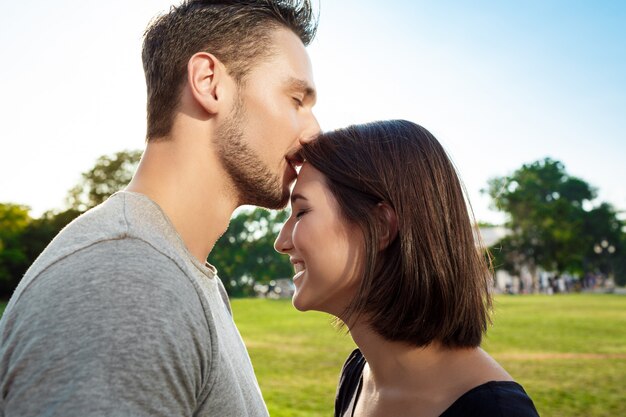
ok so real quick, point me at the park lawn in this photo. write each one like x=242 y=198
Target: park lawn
x=568 y=351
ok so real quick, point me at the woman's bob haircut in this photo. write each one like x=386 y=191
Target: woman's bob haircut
x=431 y=281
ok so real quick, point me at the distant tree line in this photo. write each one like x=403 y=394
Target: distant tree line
x=553 y=219
x=556 y=224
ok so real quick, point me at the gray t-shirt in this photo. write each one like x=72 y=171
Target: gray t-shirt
x=117 y=318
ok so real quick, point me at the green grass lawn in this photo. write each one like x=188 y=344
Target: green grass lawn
x=568 y=351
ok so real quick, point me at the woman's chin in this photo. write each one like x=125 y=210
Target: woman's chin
x=299 y=304
x=302 y=299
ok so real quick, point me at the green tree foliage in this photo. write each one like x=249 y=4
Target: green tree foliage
x=42 y=230
x=110 y=174
x=552 y=221
x=618 y=264
x=245 y=253
x=23 y=238
x=607 y=243
x=14 y=219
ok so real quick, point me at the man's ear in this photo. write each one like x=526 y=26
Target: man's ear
x=388 y=224
x=206 y=76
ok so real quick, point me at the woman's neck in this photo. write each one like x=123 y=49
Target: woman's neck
x=393 y=363
x=434 y=373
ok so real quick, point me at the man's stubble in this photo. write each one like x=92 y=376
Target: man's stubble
x=253 y=181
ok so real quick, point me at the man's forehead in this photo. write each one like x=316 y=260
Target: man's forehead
x=293 y=56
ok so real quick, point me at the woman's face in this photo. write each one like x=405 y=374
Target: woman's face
x=324 y=248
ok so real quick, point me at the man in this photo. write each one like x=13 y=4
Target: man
x=121 y=315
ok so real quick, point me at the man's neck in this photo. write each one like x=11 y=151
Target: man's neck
x=191 y=188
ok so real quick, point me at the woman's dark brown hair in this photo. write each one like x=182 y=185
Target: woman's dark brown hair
x=430 y=283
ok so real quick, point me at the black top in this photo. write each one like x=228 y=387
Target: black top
x=492 y=399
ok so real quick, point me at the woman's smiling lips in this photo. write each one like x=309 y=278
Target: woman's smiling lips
x=298 y=266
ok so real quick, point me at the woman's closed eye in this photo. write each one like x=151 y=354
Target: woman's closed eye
x=301 y=212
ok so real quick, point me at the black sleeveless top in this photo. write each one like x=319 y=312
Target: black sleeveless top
x=492 y=399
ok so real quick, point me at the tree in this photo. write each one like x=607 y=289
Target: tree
x=552 y=220
x=245 y=253
x=619 y=263
x=41 y=231
x=23 y=238
x=605 y=243
x=110 y=174
x=14 y=219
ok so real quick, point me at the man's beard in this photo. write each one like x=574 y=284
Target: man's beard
x=253 y=181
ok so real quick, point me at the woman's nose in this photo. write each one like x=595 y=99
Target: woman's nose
x=283 y=241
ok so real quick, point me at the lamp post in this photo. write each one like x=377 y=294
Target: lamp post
x=604 y=250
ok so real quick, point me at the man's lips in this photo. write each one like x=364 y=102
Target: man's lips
x=290 y=174
x=295 y=160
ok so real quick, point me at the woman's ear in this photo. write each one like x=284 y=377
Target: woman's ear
x=388 y=225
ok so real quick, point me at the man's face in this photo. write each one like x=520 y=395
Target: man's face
x=272 y=114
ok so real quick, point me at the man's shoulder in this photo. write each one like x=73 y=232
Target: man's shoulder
x=111 y=250
x=117 y=316
x=124 y=214
x=126 y=272
x=101 y=223
x=126 y=226
x=100 y=265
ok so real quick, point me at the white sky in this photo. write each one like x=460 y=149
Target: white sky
x=498 y=84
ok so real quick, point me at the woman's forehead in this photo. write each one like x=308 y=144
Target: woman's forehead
x=307 y=177
x=312 y=185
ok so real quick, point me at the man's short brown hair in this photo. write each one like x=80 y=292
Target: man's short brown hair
x=238 y=33
x=431 y=283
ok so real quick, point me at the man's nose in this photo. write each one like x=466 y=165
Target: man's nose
x=312 y=130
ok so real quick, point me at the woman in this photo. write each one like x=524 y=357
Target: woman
x=380 y=237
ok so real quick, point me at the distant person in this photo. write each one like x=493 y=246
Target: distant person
x=121 y=315
x=380 y=236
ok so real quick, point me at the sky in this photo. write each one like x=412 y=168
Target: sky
x=498 y=83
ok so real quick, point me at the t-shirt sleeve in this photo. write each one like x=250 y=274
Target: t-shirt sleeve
x=115 y=329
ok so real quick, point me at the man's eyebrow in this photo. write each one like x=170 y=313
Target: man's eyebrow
x=296 y=196
x=301 y=85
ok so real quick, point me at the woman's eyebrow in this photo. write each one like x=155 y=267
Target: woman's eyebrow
x=296 y=196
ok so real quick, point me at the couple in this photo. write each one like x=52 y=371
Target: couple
x=122 y=316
